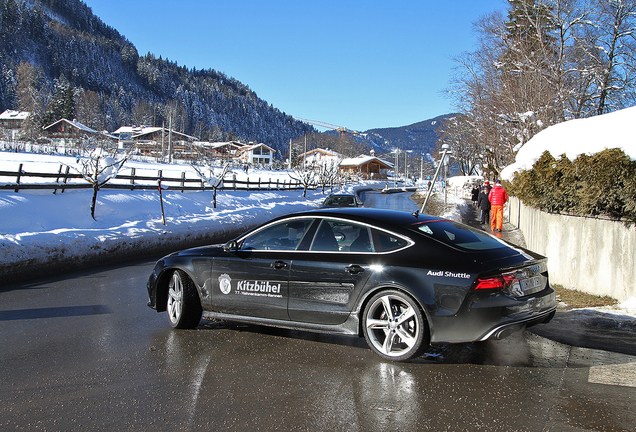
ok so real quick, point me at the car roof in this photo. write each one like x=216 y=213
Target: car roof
x=370 y=215
x=341 y=194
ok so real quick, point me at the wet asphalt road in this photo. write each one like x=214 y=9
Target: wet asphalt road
x=83 y=352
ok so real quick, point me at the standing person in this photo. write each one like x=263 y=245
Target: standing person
x=483 y=203
x=475 y=194
x=497 y=197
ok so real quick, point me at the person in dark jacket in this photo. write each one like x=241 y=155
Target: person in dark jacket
x=475 y=194
x=483 y=203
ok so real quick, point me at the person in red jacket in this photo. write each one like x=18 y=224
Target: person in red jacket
x=497 y=197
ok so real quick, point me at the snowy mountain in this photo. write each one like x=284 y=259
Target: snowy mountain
x=421 y=136
x=77 y=54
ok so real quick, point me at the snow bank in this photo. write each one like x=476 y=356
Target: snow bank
x=41 y=229
x=580 y=136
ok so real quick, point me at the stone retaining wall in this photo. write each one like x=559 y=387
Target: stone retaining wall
x=592 y=255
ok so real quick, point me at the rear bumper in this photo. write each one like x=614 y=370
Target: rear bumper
x=505 y=330
x=494 y=317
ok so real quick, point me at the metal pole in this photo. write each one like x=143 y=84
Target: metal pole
x=428 y=194
x=170 y=139
x=445 y=180
x=405 y=173
x=395 y=168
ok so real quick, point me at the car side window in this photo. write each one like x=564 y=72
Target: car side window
x=386 y=242
x=281 y=236
x=342 y=236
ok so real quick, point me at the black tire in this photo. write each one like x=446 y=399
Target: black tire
x=183 y=306
x=394 y=326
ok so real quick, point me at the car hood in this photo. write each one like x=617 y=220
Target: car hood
x=210 y=250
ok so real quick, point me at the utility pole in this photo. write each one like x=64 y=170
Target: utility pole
x=170 y=139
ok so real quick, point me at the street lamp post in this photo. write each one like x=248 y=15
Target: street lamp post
x=395 y=168
x=445 y=149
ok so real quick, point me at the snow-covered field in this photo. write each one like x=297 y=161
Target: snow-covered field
x=39 y=227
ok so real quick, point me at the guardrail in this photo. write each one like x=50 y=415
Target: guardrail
x=64 y=180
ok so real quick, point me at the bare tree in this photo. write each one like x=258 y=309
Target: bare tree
x=31 y=99
x=144 y=114
x=457 y=132
x=611 y=49
x=214 y=176
x=305 y=175
x=546 y=61
x=328 y=174
x=99 y=167
x=88 y=110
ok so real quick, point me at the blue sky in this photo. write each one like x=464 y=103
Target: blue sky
x=353 y=63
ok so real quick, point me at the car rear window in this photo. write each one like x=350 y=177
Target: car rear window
x=340 y=201
x=459 y=235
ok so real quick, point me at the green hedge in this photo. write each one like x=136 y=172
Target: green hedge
x=600 y=184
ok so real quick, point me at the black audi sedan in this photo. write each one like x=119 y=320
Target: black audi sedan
x=401 y=280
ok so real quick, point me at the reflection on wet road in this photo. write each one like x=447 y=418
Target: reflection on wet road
x=293 y=380
x=85 y=353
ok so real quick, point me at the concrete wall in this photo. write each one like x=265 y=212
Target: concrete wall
x=587 y=254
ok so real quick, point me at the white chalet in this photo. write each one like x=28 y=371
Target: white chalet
x=257 y=154
x=321 y=157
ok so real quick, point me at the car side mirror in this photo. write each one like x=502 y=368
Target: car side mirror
x=231 y=247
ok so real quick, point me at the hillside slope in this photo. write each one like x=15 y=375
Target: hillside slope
x=73 y=49
x=420 y=137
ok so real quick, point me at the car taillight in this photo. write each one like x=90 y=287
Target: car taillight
x=502 y=281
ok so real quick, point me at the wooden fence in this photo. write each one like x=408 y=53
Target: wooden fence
x=63 y=180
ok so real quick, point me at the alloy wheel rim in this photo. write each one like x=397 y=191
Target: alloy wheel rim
x=392 y=325
x=175 y=298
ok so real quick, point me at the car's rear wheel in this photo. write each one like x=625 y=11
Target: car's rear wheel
x=394 y=326
x=183 y=307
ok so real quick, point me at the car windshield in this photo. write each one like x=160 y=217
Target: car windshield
x=459 y=235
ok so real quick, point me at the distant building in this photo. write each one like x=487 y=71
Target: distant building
x=70 y=133
x=155 y=141
x=367 y=167
x=11 y=121
x=321 y=157
x=257 y=154
x=226 y=150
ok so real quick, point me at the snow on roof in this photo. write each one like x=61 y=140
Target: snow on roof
x=129 y=129
x=580 y=136
x=321 y=150
x=73 y=123
x=151 y=130
x=216 y=145
x=14 y=115
x=253 y=146
x=82 y=127
x=361 y=160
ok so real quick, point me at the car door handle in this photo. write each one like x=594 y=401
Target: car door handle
x=354 y=269
x=279 y=265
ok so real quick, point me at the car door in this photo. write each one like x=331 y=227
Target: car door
x=253 y=281
x=324 y=280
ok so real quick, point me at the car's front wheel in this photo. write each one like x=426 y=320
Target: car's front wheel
x=183 y=307
x=394 y=326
